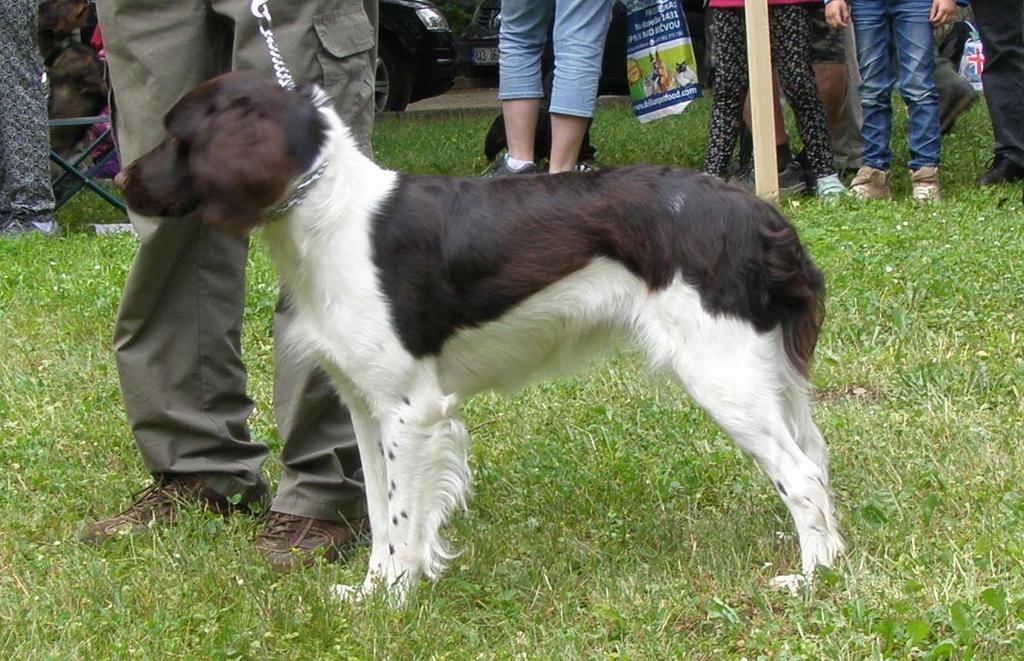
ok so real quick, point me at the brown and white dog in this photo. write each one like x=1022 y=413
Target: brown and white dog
x=414 y=291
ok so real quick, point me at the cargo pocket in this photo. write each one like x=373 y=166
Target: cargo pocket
x=346 y=58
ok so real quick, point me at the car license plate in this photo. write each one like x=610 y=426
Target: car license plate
x=484 y=56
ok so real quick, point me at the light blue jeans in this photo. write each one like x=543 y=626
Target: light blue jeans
x=580 y=27
x=881 y=25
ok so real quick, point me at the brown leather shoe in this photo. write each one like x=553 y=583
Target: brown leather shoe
x=289 y=541
x=159 y=505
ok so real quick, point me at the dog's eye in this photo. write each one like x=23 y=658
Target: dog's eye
x=179 y=146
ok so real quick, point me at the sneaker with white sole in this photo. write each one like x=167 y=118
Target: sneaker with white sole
x=870 y=184
x=829 y=187
x=500 y=168
x=925 y=183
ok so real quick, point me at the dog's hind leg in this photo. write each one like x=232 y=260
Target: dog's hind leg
x=739 y=377
x=804 y=430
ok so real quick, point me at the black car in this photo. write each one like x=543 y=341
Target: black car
x=416 y=53
x=478 y=48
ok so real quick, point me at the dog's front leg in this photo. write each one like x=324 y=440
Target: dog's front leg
x=371 y=456
x=425 y=448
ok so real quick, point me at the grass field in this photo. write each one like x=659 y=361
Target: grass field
x=611 y=518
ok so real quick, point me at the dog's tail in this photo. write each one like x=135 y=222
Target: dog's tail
x=796 y=288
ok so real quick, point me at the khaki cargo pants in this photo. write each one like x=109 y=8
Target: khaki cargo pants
x=178 y=335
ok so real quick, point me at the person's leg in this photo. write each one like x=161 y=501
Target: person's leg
x=830 y=78
x=542 y=148
x=828 y=59
x=873 y=35
x=567 y=132
x=521 y=127
x=847 y=143
x=728 y=36
x=915 y=52
x=579 y=35
x=790 y=40
x=330 y=44
x=521 y=45
x=177 y=335
x=781 y=137
x=1002 y=38
x=26 y=199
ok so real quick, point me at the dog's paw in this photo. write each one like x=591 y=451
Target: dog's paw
x=394 y=592
x=347 y=593
x=791 y=582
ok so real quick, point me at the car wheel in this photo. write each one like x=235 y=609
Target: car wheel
x=393 y=86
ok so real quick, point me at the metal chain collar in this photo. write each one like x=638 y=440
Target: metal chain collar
x=299 y=194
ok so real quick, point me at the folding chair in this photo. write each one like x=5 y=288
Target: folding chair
x=82 y=175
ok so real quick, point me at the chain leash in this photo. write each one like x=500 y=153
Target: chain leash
x=261 y=11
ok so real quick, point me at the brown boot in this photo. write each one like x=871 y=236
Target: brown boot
x=289 y=541
x=870 y=184
x=159 y=504
x=926 y=184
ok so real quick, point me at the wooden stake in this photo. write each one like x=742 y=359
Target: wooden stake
x=762 y=119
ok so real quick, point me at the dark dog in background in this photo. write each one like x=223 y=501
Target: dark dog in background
x=58 y=20
x=74 y=70
x=496 y=142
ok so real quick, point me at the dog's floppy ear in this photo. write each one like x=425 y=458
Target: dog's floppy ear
x=240 y=166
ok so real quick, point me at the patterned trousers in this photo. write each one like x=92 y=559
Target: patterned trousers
x=25 y=193
x=790 y=39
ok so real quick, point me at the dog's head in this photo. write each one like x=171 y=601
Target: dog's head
x=62 y=17
x=233 y=149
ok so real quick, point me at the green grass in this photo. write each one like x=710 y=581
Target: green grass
x=611 y=518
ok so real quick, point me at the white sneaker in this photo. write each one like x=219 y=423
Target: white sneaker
x=830 y=187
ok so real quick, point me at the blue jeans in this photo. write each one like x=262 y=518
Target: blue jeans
x=579 y=32
x=881 y=25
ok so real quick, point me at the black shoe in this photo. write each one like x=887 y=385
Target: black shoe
x=791 y=180
x=1001 y=171
x=810 y=181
